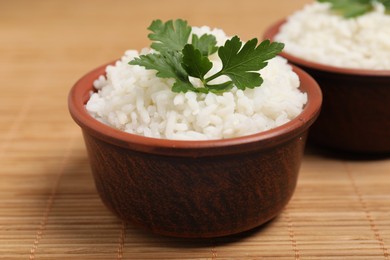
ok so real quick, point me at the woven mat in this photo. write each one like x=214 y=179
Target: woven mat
x=49 y=207
x=51 y=210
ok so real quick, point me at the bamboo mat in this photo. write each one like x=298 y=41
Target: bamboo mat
x=49 y=207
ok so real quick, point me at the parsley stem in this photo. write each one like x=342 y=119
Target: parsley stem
x=216 y=75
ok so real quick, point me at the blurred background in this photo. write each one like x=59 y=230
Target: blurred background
x=65 y=39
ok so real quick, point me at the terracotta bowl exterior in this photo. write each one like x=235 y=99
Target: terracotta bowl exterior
x=355 y=114
x=195 y=188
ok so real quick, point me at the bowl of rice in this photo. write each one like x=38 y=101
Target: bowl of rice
x=350 y=60
x=194 y=164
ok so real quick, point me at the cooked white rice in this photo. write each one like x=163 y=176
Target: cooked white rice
x=316 y=33
x=133 y=99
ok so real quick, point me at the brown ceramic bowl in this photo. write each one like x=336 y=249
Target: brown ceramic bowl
x=195 y=188
x=355 y=115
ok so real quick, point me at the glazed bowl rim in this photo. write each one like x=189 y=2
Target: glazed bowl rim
x=80 y=93
x=272 y=30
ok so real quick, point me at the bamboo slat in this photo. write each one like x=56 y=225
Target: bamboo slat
x=49 y=207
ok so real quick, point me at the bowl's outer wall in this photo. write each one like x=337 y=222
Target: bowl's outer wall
x=355 y=113
x=195 y=197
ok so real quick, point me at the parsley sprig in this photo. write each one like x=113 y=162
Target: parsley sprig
x=176 y=58
x=354 y=8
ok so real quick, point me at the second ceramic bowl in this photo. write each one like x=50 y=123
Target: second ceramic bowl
x=355 y=115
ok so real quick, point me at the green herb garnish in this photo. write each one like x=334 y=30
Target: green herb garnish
x=176 y=58
x=354 y=8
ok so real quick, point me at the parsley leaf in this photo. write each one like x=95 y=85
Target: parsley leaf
x=184 y=86
x=167 y=65
x=386 y=4
x=354 y=8
x=176 y=58
x=239 y=63
x=206 y=44
x=170 y=35
x=195 y=63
